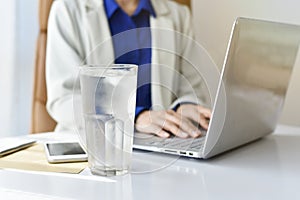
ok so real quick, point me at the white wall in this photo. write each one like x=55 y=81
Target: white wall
x=7 y=62
x=27 y=29
x=213 y=20
x=19 y=28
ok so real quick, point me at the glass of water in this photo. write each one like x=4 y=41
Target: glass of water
x=108 y=103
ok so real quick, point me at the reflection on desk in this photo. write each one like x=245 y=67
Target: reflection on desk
x=266 y=169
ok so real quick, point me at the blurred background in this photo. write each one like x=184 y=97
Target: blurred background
x=18 y=35
x=213 y=20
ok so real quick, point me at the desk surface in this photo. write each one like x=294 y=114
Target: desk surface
x=266 y=169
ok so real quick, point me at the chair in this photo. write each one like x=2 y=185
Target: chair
x=40 y=119
x=186 y=2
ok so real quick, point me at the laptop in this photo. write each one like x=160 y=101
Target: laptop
x=258 y=64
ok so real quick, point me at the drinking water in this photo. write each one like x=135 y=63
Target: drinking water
x=108 y=97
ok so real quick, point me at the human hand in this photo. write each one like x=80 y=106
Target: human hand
x=164 y=123
x=196 y=113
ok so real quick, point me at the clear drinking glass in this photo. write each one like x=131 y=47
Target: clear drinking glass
x=108 y=102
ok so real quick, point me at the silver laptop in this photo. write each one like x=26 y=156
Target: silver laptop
x=252 y=88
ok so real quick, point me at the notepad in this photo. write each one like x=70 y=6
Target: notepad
x=34 y=159
x=11 y=145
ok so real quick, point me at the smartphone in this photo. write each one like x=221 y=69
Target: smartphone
x=60 y=152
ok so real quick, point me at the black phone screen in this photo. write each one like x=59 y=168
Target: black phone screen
x=57 y=149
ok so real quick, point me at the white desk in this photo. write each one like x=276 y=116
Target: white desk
x=266 y=169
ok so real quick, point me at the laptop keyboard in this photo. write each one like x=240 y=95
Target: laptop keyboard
x=188 y=144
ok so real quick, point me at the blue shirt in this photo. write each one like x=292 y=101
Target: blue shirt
x=138 y=39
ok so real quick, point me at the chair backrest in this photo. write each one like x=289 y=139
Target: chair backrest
x=186 y=2
x=40 y=119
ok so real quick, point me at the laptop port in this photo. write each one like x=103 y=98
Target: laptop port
x=182 y=152
x=191 y=154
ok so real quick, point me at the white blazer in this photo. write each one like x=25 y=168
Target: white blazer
x=78 y=33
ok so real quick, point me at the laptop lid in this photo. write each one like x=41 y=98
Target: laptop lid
x=254 y=80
